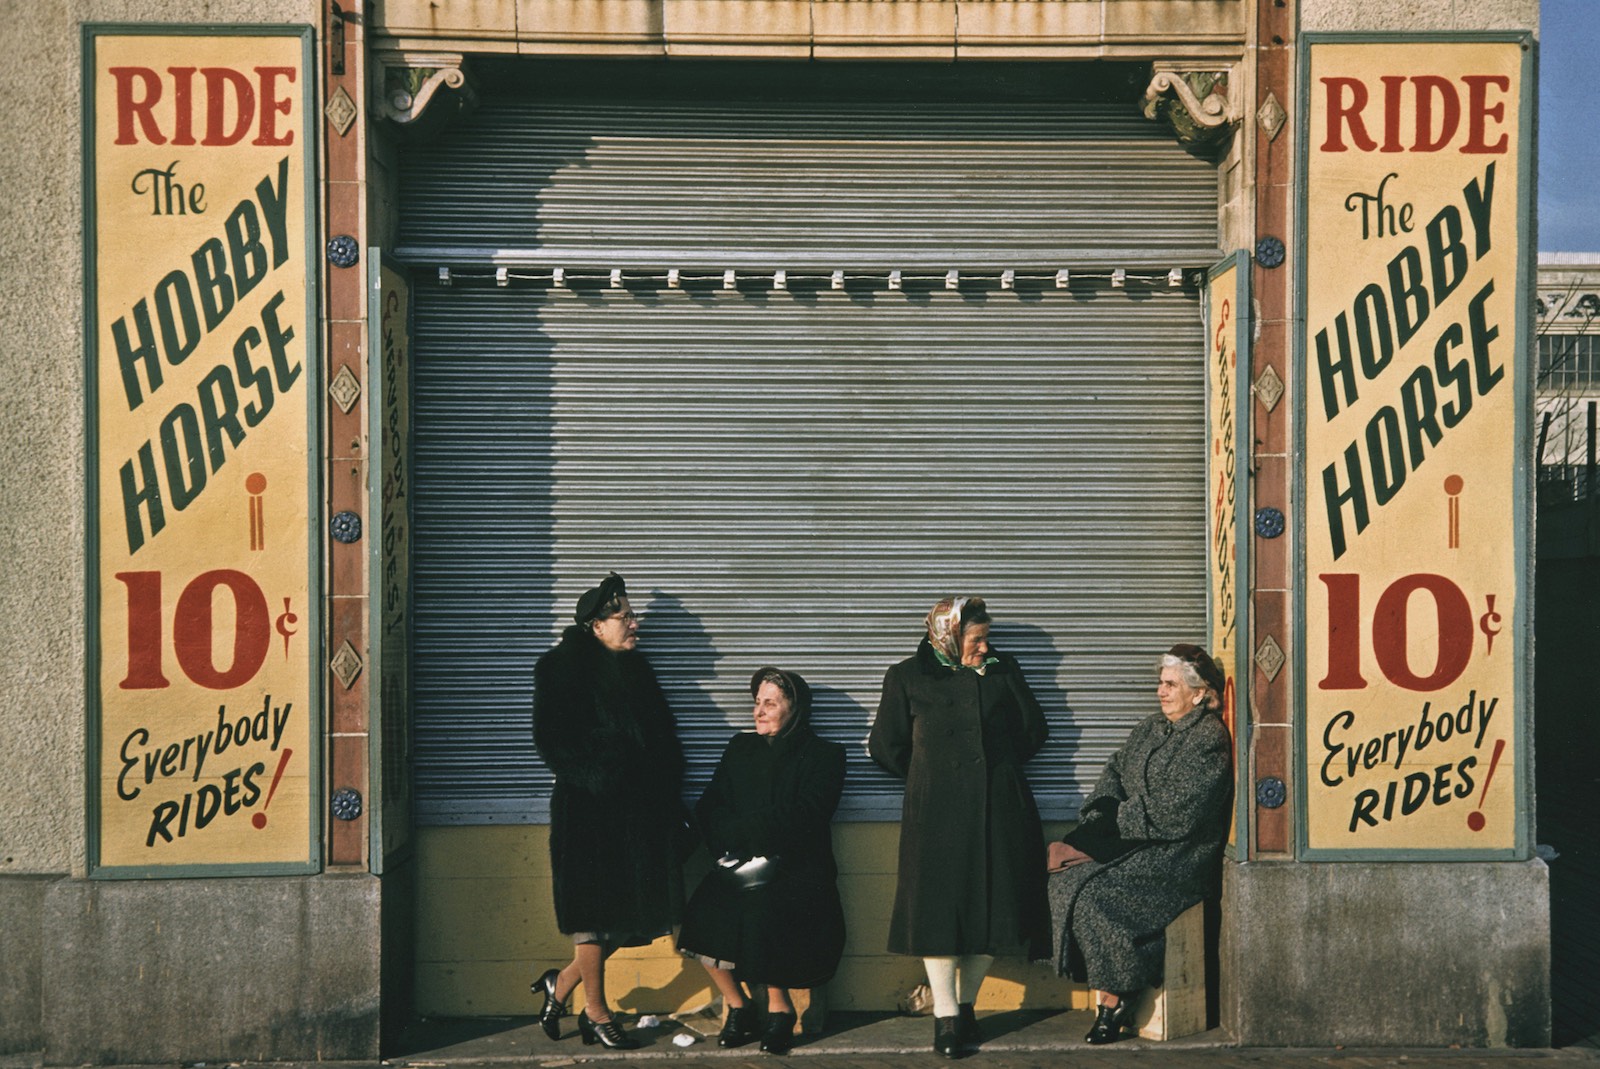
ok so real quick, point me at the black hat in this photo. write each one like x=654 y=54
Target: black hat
x=1210 y=674
x=597 y=598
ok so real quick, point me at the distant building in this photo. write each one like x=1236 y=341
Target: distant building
x=1566 y=305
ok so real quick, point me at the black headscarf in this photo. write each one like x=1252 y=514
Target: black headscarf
x=796 y=689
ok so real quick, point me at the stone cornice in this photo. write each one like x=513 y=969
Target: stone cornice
x=904 y=29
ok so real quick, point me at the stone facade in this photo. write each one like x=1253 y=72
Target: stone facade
x=332 y=957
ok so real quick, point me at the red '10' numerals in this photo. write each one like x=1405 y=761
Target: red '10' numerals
x=192 y=632
x=1389 y=632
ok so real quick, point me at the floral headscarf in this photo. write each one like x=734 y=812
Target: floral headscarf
x=944 y=631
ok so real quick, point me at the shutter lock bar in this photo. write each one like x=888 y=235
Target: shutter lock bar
x=675 y=278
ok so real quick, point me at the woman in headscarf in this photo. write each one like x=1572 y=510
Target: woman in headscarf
x=601 y=723
x=956 y=722
x=1148 y=844
x=768 y=912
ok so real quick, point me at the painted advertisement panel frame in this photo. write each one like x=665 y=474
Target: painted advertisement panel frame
x=388 y=678
x=1228 y=529
x=268 y=814
x=1340 y=614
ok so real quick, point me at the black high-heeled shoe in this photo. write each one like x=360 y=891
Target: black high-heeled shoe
x=744 y=1024
x=1109 y=1021
x=608 y=1034
x=779 y=1035
x=553 y=1009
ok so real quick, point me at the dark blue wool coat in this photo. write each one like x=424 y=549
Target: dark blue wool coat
x=971 y=847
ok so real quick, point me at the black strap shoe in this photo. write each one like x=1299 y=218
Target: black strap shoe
x=552 y=1009
x=608 y=1034
x=743 y=1025
x=779 y=1034
x=1109 y=1022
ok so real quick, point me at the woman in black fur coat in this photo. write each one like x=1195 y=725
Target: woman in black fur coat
x=602 y=725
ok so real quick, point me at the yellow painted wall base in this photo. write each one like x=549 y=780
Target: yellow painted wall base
x=485 y=928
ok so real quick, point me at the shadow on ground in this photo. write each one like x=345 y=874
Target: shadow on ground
x=478 y=1040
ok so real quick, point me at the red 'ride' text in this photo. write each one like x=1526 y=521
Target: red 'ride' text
x=1419 y=113
x=226 y=105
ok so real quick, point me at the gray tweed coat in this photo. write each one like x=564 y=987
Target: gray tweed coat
x=1155 y=825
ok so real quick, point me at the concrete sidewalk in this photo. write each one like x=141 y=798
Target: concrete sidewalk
x=1019 y=1039
x=1012 y=1040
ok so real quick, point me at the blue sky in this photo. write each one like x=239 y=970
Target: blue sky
x=1569 y=126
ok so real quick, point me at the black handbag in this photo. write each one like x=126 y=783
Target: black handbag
x=747 y=874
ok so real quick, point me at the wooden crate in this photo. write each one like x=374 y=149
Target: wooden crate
x=1178 y=1007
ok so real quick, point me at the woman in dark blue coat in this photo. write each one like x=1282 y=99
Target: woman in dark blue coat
x=768 y=912
x=957 y=721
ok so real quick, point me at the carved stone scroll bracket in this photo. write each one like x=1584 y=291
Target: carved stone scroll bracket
x=1195 y=105
x=421 y=91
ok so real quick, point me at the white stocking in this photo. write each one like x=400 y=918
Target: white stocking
x=942 y=984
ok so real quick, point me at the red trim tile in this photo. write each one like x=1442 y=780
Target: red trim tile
x=347 y=767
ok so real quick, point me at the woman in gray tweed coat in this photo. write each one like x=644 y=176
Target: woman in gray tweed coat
x=1148 y=844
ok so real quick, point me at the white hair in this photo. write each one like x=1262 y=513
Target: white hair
x=1191 y=677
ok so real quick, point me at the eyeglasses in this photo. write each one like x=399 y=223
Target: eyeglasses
x=624 y=616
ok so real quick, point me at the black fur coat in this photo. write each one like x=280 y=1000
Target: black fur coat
x=602 y=725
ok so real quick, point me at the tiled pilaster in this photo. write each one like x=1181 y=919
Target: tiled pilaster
x=1273 y=460
x=345 y=445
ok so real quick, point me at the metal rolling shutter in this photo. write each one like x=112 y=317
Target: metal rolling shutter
x=794 y=476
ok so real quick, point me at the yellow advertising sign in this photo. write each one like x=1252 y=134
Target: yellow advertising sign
x=201 y=365
x=1413 y=392
x=390 y=371
x=1227 y=318
x=1222 y=420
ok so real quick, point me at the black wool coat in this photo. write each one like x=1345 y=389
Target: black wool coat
x=603 y=727
x=971 y=847
x=776 y=800
x=1155 y=825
